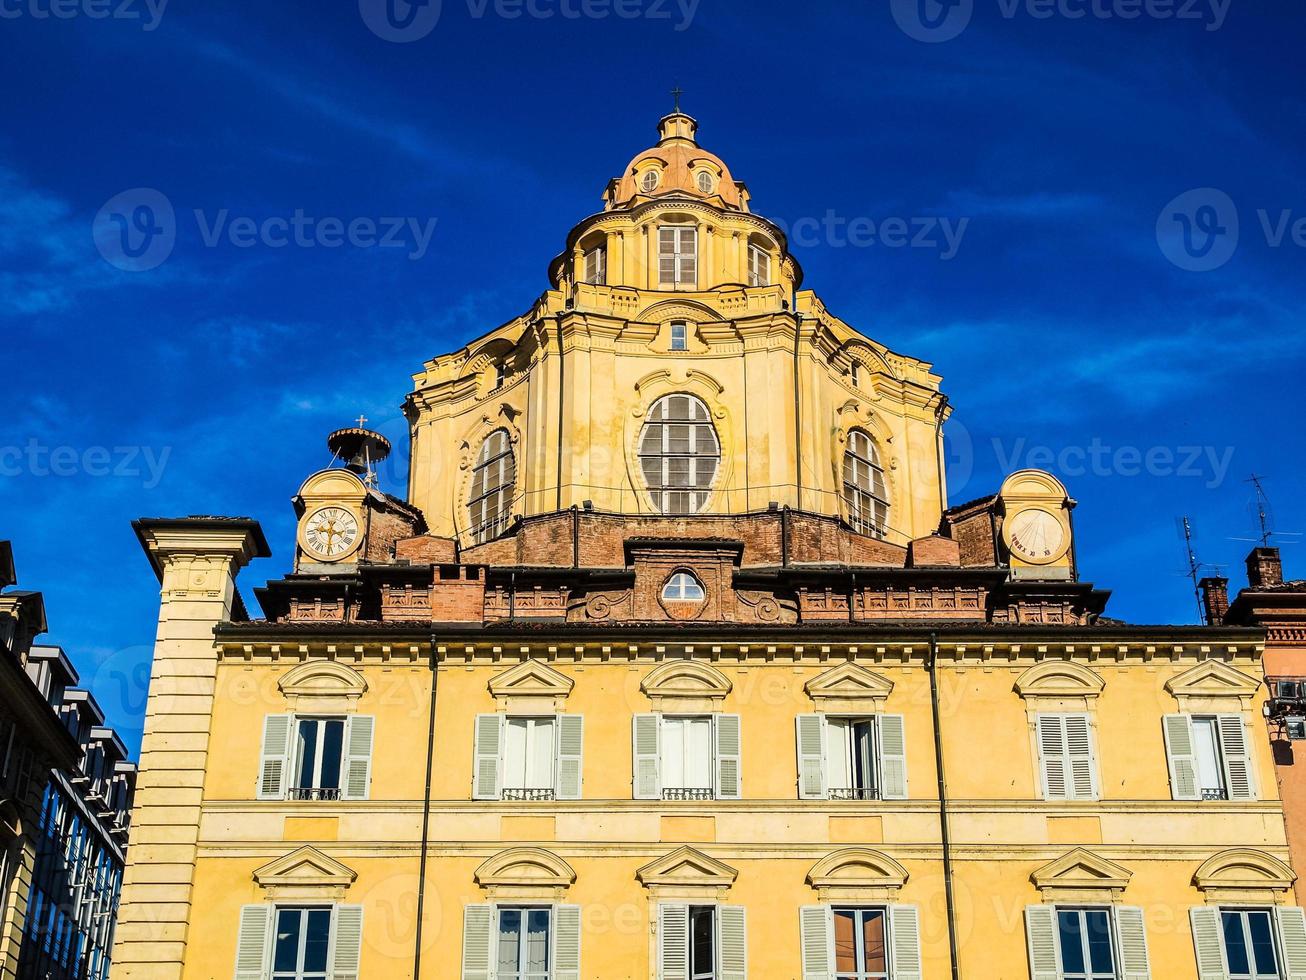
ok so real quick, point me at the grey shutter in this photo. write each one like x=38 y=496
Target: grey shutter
x=810 y=739
x=346 y=942
x=571 y=744
x=252 y=953
x=487 y=752
x=1181 y=757
x=1237 y=757
x=358 y=756
x=725 y=729
x=1292 y=941
x=478 y=941
x=566 y=942
x=816 y=929
x=646 y=741
x=905 y=942
x=1052 y=757
x=893 y=757
x=1207 y=943
x=274 y=761
x=1041 y=937
x=1079 y=753
x=1131 y=932
x=673 y=942
x=732 y=942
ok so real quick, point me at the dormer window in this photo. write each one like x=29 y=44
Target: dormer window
x=683 y=587
x=596 y=266
x=500 y=375
x=649 y=182
x=705 y=184
x=679 y=335
x=759 y=266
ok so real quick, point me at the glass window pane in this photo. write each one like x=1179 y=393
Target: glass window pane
x=701 y=946
x=1098 y=923
x=317 y=940
x=514 y=754
x=1235 y=944
x=307 y=751
x=845 y=940
x=839 y=754
x=1262 y=943
x=509 y=941
x=863 y=755
x=1072 y=942
x=698 y=753
x=539 y=771
x=1206 y=745
x=873 y=942
x=333 y=744
x=537 y=941
x=286 y=952
x=673 y=752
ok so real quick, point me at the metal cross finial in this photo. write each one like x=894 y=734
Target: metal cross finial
x=676 y=93
x=362 y=421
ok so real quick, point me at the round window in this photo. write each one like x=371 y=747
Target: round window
x=705 y=182
x=683 y=587
x=649 y=182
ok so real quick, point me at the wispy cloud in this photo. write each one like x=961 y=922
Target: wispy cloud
x=1037 y=206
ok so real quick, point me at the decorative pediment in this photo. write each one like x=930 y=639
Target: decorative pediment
x=687 y=873
x=685 y=685
x=322 y=684
x=305 y=873
x=1243 y=874
x=1059 y=679
x=857 y=874
x=526 y=872
x=848 y=687
x=532 y=685
x=1081 y=875
x=1212 y=684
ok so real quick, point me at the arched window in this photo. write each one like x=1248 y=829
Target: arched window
x=493 y=479
x=679 y=454
x=683 y=587
x=864 y=490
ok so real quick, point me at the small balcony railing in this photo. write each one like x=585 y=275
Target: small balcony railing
x=686 y=793
x=854 y=793
x=529 y=795
x=1220 y=793
x=314 y=793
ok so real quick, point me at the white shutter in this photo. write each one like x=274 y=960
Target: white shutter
x=571 y=744
x=646 y=740
x=905 y=942
x=732 y=942
x=1079 y=753
x=478 y=941
x=252 y=952
x=816 y=928
x=346 y=942
x=1041 y=936
x=1181 y=756
x=673 y=942
x=810 y=739
x=893 y=757
x=1237 y=757
x=1052 y=757
x=487 y=752
x=726 y=745
x=358 y=756
x=1131 y=933
x=1207 y=943
x=1292 y=941
x=566 y=942
x=274 y=764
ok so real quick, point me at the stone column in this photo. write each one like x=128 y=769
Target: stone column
x=197 y=560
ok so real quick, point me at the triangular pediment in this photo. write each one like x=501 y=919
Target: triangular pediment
x=306 y=867
x=531 y=679
x=687 y=866
x=1081 y=868
x=849 y=681
x=1212 y=679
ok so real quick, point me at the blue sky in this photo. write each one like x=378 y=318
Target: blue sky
x=1066 y=330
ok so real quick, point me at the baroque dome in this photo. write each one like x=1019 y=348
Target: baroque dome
x=677 y=165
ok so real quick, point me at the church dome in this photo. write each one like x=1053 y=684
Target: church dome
x=677 y=165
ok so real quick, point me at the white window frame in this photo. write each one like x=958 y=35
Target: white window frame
x=490 y=511
x=705 y=177
x=596 y=265
x=681 y=586
x=297 y=759
x=299 y=972
x=866 y=500
x=685 y=719
x=725 y=757
x=759 y=266
x=1243 y=911
x=812 y=739
x=1112 y=928
x=665 y=494
x=524 y=910
x=531 y=723
x=677 y=256
x=649 y=186
x=850 y=792
x=679 y=336
x=860 y=952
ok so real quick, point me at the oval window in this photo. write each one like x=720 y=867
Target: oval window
x=705 y=182
x=683 y=587
x=649 y=182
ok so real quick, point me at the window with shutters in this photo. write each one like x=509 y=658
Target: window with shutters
x=523 y=943
x=687 y=758
x=850 y=748
x=1068 y=768
x=494 y=479
x=861 y=949
x=1247 y=936
x=859 y=757
x=679 y=454
x=596 y=265
x=301 y=944
x=678 y=256
x=865 y=493
x=759 y=266
x=1209 y=757
x=529 y=753
x=319 y=758
x=1085 y=944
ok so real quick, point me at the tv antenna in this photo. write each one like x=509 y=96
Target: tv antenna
x=1194 y=568
x=1264 y=511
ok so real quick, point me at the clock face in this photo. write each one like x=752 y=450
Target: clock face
x=331 y=532
x=1037 y=536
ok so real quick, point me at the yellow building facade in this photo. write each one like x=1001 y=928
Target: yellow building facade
x=675 y=664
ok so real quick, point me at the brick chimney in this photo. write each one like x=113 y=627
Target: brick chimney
x=1215 y=598
x=1264 y=568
